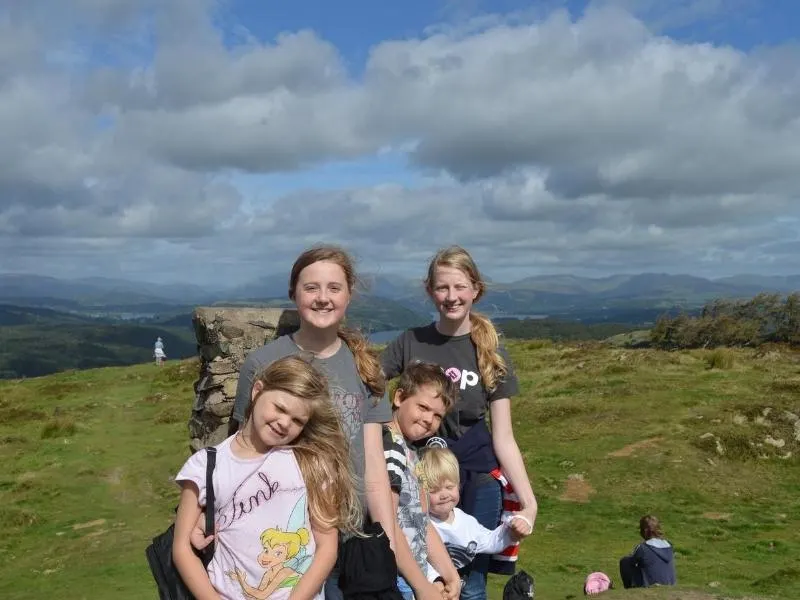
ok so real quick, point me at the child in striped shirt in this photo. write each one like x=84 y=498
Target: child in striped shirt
x=423 y=395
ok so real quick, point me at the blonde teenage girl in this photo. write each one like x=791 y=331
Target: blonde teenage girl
x=466 y=345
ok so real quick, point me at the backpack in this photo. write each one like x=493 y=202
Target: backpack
x=596 y=583
x=519 y=586
x=159 y=553
x=368 y=570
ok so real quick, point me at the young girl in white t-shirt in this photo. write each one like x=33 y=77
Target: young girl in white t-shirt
x=283 y=487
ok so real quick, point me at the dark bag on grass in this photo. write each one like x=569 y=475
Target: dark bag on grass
x=519 y=587
x=159 y=553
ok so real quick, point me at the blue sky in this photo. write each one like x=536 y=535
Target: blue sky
x=171 y=141
x=354 y=27
x=357 y=25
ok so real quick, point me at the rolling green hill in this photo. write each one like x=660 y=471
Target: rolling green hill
x=607 y=434
x=40 y=349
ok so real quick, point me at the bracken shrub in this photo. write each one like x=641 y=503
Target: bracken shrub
x=171 y=414
x=719 y=358
x=61 y=426
x=14 y=517
x=538 y=344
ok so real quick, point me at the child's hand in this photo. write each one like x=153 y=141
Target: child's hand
x=452 y=590
x=198 y=537
x=431 y=591
x=521 y=526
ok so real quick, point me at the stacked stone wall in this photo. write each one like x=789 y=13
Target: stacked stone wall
x=225 y=336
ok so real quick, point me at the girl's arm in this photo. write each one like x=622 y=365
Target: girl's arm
x=189 y=565
x=327 y=541
x=510 y=458
x=376 y=482
x=440 y=560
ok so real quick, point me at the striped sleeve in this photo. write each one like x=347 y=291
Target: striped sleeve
x=502 y=563
x=396 y=462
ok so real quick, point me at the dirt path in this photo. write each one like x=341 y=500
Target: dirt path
x=631 y=449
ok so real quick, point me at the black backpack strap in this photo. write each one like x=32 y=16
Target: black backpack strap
x=211 y=463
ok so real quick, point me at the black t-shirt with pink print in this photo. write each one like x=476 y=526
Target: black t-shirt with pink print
x=458 y=357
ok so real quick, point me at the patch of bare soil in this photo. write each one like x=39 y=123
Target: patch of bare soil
x=89 y=524
x=97 y=533
x=717 y=516
x=577 y=489
x=631 y=449
x=115 y=477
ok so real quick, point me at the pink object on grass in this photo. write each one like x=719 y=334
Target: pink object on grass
x=596 y=583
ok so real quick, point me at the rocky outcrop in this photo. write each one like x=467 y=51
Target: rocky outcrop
x=225 y=336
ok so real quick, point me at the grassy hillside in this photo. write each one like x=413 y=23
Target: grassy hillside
x=39 y=349
x=608 y=434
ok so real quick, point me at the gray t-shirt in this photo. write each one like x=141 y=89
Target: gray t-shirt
x=354 y=400
x=459 y=359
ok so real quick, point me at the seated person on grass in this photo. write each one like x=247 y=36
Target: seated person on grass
x=652 y=562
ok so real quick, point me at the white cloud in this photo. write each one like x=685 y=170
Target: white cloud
x=551 y=144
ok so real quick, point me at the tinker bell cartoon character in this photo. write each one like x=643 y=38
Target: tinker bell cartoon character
x=284 y=557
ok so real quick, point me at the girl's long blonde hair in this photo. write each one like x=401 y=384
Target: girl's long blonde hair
x=483 y=333
x=367 y=361
x=322 y=449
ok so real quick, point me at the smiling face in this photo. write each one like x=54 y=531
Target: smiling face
x=443 y=498
x=418 y=416
x=277 y=417
x=452 y=292
x=322 y=295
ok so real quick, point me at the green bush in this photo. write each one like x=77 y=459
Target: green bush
x=766 y=318
x=720 y=358
x=62 y=426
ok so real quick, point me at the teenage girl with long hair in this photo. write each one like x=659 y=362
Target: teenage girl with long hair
x=321 y=284
x=466 y=345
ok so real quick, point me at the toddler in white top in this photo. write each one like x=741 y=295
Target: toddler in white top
x=461 y=533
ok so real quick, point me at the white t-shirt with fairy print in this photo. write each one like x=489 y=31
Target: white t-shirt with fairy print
x=264 y=540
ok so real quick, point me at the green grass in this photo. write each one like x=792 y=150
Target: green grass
x=88 y=458
x=86 y=478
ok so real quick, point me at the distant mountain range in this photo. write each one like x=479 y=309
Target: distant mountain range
x=49 y=324
x=395 y=297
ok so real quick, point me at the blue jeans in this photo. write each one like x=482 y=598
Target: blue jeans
x=487 y=510
x=405 y=590
x=332 y=591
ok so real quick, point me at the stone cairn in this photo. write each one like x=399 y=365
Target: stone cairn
x=225 y=336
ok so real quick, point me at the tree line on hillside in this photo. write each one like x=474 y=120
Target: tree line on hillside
x=762 y=319
x=560 y=331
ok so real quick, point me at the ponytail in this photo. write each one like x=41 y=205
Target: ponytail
x=491 y=364
x=368 y=364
